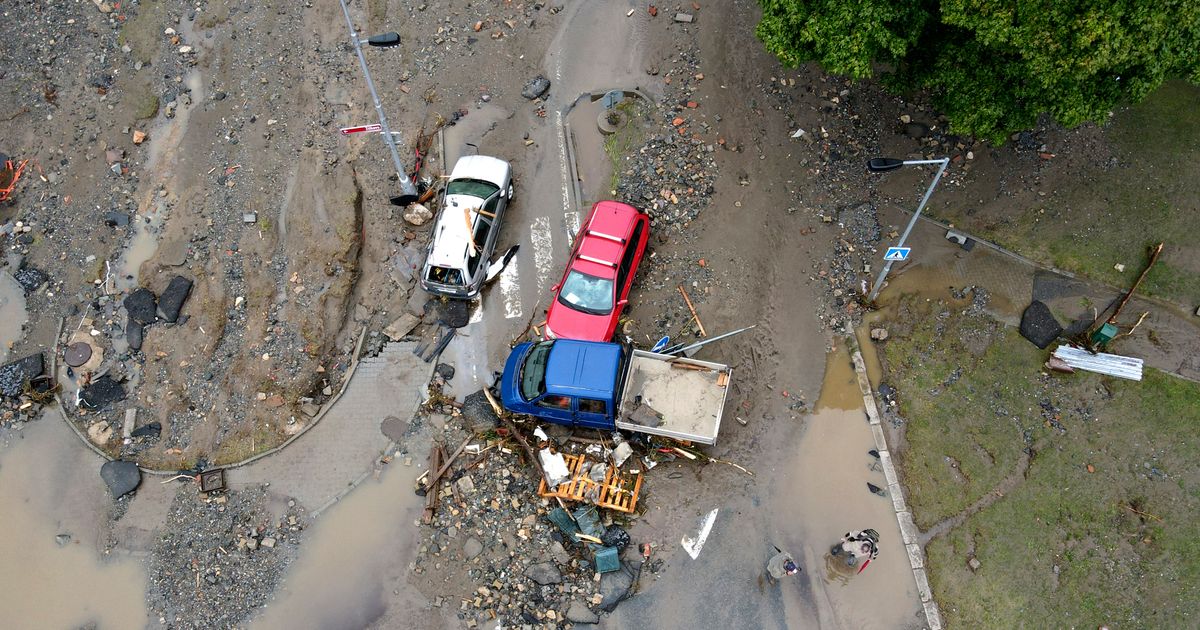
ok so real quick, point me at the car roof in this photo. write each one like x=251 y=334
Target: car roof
x=574 y=368
x=609 y=220
x=484 y=167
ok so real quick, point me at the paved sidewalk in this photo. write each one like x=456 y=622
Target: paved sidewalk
x=1168 y=340
x=326 y=462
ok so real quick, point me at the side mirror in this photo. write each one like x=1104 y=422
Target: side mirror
x=384 y=40
x=622 y=302
x=554 y=289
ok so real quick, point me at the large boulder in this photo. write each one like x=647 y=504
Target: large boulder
x=478 y=413
x=536 y=87
x=16 y=375
x=141 y=306
x=122 y=477
x=172 y=299
x=1038 y=324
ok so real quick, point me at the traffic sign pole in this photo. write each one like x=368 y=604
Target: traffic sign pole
x=887 y=266
x=408 y=192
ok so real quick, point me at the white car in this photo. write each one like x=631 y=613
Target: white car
x=467 y=226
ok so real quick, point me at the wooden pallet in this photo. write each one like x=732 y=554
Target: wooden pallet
x=619 y=491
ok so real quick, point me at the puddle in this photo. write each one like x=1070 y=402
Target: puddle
x=355 y=559
x=839 y=390
x=12 y=313
x=833 y=456
x=161 y=158
x=50 y=486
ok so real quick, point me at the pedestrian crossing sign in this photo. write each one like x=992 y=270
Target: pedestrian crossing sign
x=897 y=253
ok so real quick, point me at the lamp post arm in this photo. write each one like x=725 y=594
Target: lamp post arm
x=407 y=189
x=944 y=162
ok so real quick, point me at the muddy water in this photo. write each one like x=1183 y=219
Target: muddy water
x=12 y=313
x=50 y=487
x=832 y=459
x=355 y=561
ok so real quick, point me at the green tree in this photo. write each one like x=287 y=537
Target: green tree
x=992 y=66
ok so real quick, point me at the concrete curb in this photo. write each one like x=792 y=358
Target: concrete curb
x=908 y=529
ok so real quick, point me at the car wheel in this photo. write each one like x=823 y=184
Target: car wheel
x=510 y=191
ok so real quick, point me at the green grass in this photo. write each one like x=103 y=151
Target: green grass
x=1098 y=216
x=1115 y=566
x=143 y=33
x=629 y=136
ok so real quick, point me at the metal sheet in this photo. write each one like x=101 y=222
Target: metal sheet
x=1101 y=363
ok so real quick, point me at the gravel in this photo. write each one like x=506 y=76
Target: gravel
x=220 y=557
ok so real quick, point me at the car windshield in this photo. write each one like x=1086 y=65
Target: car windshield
x=472 y=187
x=586 y=293
x=533 y=371
x=444 y=275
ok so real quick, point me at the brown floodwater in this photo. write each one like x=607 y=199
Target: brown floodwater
x=833 y=462
x=354 y=568
x=51 y=490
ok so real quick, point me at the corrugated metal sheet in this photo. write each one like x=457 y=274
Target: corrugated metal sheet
x=1110 y=364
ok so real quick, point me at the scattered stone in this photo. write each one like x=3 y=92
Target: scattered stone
x=150 y=430
x=465 y=484
x=418 y=214
x=268 y=542
x=1038 y=325
x=15 y=376
x=578 y=612
x=113 y=218
x=141 y=306
x=101 y=393
x=472 y=548
x=478 y=414
x=615 y=587
x=536 y=87
x=172 y=299
x=309 y=409
x=134 y=335
x=879 y=334
x=544 y=573
x=444 y=370
x=139 y=136
x=686 y=18
x=974 y=563
x=122 y=477
x=62 y=539
x=100 y=432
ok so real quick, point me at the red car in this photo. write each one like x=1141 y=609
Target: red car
x=592 y=293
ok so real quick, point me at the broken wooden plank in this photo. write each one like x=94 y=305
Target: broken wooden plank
x=691 y=308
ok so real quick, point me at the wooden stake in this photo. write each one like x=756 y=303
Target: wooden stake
x=1154 y=253
x=691 y=308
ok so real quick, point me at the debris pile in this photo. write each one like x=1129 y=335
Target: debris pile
x=220 y=556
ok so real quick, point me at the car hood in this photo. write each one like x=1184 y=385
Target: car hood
x=484 y=167
x=568 y=323
x=451 y=235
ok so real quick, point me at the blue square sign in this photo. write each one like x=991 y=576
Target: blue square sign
x=897 y=253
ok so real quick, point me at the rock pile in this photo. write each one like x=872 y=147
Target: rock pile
x=220 y=557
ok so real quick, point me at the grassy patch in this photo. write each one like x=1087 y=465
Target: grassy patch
x=248 y=442
x=143 y=32
x=143 y=103
x=1100 y=216
x=627 y=137
x=1065 y=547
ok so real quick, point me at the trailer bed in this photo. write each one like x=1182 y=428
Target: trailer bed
x=674 y=397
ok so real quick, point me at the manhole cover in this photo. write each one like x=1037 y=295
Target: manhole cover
x=77 y=354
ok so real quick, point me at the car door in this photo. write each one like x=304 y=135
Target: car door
x=629 y=259
x=592 y=413
x=556 y=407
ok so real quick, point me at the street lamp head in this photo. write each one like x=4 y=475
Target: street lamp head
x=883 y=165
x=384 y=40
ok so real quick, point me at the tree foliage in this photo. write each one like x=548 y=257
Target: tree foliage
x=992 y=66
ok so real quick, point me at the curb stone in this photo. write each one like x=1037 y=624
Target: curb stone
x=908 y=529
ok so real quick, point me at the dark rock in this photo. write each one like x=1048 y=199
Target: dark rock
x=615 y=536
x=544 y=573
x=30 y=278
x=444 y=370
x=471 y=548
x=1038 y=324
x=134 y=334
x=101 y=393
x=116 y=219
x=122 y=477
x=536 y=87
x=916 y=130
x=478 y=413
x=141 y=306
x=15 y=375
x=172 y=299
x=578 y=612
x=615 y=587
x=152 y=430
